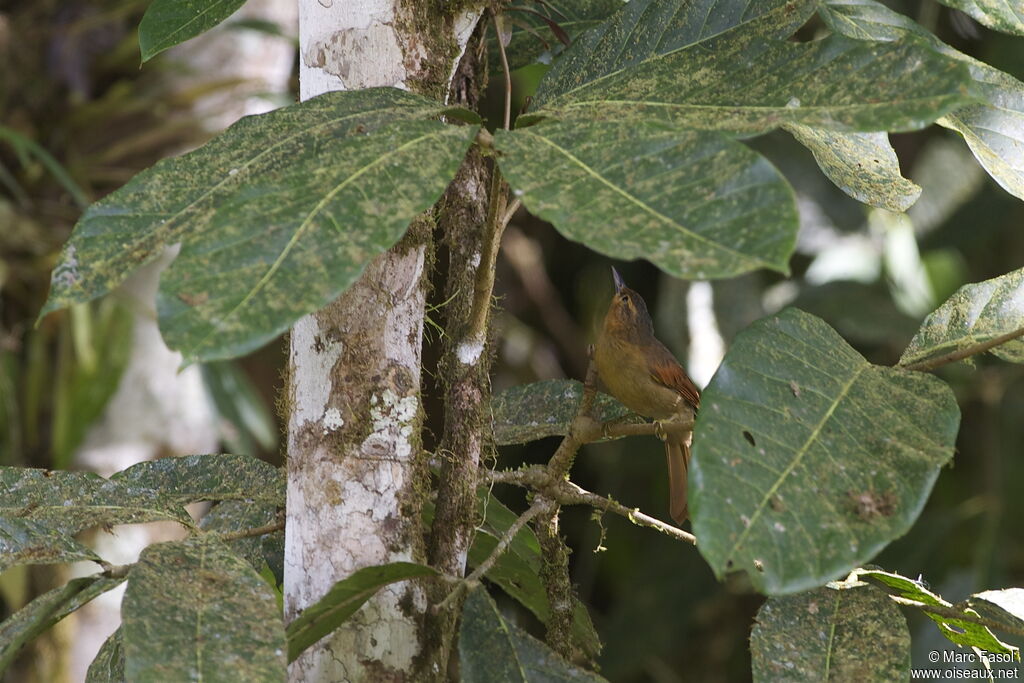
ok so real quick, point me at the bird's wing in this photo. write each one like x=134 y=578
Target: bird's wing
x=667 y=371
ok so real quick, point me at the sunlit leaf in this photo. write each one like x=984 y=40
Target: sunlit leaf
x=169 y=22
x=696 y=204
x=342 y=601
x=491 y=649
x=856 y=634
x=192 y=478
x=534 y=411
x=992 y=128
x=23 y=541
x=978 y=313
x=276 y=216
x=741 y=76
x=194 y=610
x=807 y=459
x=1002 y=15
x=863 y=165
x=1005 y=606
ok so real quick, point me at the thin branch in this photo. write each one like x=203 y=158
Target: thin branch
x=483 y=286
x=511 y=210
x=255 y=531
x=954 y=613
x=508 y=75
x=960 y=354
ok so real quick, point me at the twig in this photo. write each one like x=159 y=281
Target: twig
x=973 y=349
x=483 y=286
x=507 y=72
x=255 y=531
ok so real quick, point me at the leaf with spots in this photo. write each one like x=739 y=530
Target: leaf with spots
x=167 y=23
x=194 y=610
x=696 y=204
x=342 y=601
x=276 y=216
x=492 y=649
x=24 y=541
x=108 y=665
x=192 y=478
x=993 y=128
x=863 y=165
x=958 y=631
x=535 y=411
x=71 y=501
x=1001 y=15
x=664 y=59
x=840 y=458
x=978 y=313
x=533 y=39
x=855 y=634
x=46 y=610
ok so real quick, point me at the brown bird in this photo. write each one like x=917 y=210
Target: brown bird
x=644 y=375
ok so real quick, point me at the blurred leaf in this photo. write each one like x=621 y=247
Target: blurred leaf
x=856 y=634
x=905 y=273
x=944 y=193
x=276 y=216
x=862 y=314
x=238 y=515
x=26 y=148
x=993 y=128
x=194 y=610
x=23 y=541
x=108 y=665
x=46 y=610
x=170 y=22
x=342 y=601
x=736 y=73
x=1005 y=606
x=863 y=165
x=71 y=501
x=807 y=459
x=1002 y=15
x=492 y=649
x=245 y=424
x=534 y=411
x=517 y=570
x=977 y=313
x=696 y=204
x=191 y=478
x=957 y=631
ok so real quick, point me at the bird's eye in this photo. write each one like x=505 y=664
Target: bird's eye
x=623 y=298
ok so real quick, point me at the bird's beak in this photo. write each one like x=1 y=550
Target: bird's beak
x=617 y=279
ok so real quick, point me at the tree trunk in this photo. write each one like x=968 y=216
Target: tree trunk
x=356 y=470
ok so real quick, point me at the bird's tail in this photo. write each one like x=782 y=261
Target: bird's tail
x=677 y=453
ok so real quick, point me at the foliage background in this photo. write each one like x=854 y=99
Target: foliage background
x=70 y=84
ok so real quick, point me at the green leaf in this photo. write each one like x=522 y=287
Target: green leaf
x=527 y=47
x=23 y=541
x=108 y=665
x=71 y=501
x=863 y=165
x=807 y=459
x=978 y=313
x=1004 y=606
x=961 y=632
x=696 y=204
x=342 y=601
x=491 y=649
x=535 y=411
x=1002 y=15
x=169 y=22
x=238 y=515
x=46 y=610
x=194 y=610
x=993 y=129
x=741 y=77
x=856 y=634
x=276 y=216
x=192 y=478
x=517 y=570
x=245 y=424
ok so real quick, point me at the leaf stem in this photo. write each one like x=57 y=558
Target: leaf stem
x=506 y=72
x=960 y=354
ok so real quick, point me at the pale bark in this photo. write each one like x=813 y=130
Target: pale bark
x=356 y=473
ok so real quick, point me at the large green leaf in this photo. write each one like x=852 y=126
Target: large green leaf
x=863 y=165
x=342 y=601
x=169 y=22
x=24 y=541
x=746 y=79
x=71 y=501
x=491 y=649
x=1002 y=15
x=194 y=610
x=993 y=128
x=276 y=216
x=696 y=204
x=856 y=634
x=46 y=610
x=977 y=313
x=191 y=478
x=534 y=39
x=108 y=665
x=807 y=459
x=528 y=412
